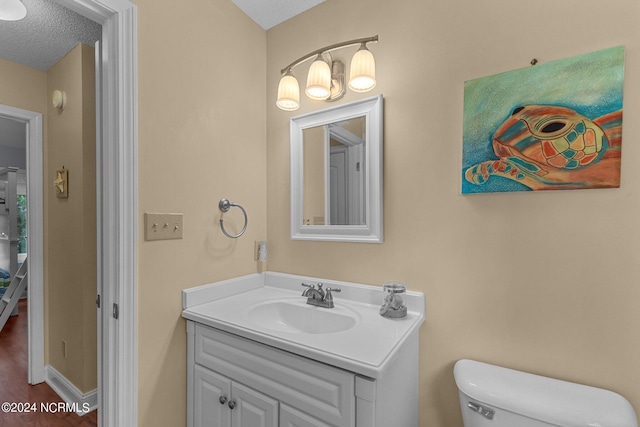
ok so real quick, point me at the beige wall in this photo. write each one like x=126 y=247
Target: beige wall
x=504 y=283
x=521 y=280
x=23 y=87
x=201 y=137
x=70 y=264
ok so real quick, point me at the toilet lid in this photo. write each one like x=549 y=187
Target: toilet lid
x=541 y=398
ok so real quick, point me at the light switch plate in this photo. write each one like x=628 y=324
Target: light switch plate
x=162 y=226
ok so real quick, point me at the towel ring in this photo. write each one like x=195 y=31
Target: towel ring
x=224 y=206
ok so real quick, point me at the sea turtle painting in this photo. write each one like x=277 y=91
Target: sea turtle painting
x=546 y=127
x=548 y=147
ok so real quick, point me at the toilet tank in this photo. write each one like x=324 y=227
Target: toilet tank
x=491 y=396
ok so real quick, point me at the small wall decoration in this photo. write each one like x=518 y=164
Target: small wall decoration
x=545 y=127
x=61 y=183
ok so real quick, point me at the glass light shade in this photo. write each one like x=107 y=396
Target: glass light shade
x=363 y=71
x=288 y=93
x=12 y=10
x=319 y=80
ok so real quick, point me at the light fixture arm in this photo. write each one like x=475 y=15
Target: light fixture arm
x=329 y=48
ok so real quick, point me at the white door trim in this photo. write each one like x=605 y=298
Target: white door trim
x=35 y=236
x=116 y=172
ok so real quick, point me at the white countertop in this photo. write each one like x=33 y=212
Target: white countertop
x=366 y=349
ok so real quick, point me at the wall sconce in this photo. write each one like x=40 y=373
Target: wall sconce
x=326 y=78
x=59 y=99
x=12 y=10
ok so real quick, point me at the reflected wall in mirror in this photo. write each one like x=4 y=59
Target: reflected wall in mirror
x=336 y=173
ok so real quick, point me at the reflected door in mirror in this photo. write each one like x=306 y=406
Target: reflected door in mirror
x=334 y=171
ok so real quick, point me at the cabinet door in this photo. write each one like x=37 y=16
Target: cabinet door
x=290 y=417
x=253 y=409
x=324 y=392
x=211 y=395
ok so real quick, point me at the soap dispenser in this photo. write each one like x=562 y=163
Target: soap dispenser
x=393 y=305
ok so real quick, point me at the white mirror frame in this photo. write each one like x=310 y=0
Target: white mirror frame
x=372 y=232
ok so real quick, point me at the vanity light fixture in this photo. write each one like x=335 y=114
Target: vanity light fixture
x=319 y=79
x=326 y=78
x=12 y=10
x=288 y=92
x=363 y=70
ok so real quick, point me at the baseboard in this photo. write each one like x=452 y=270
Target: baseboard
x=78 y=402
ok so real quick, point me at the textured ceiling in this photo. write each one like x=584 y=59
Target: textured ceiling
x=269 y=13
x=47 y=33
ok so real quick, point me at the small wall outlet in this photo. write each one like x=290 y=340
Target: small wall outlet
x=162 y=226
x=256 y=250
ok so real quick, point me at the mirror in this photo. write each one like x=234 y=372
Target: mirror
x=336 y=173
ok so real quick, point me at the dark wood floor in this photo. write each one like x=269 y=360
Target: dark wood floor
x=15 y=389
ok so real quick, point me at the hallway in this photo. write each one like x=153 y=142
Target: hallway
x=15 y=389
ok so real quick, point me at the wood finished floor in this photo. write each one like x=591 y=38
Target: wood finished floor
x=14 y=386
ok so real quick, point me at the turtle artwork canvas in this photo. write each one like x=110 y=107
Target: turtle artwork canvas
x=549 y=126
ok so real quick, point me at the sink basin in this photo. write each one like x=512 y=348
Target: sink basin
x=299 y=317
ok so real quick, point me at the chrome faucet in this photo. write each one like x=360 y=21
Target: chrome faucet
x=318 y=296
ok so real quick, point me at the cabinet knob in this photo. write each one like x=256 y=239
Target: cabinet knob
x=223 y=399
x=232 y=404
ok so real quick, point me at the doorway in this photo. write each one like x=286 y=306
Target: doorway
x=116 y=207
x=33 y=123
x=66 y=136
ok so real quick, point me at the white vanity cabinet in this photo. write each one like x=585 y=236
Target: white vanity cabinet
x=236 y=382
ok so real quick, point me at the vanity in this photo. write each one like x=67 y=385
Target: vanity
x=259 y=356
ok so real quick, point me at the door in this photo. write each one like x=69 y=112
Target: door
x=211 y=397
x=220 y=402
x=252 y=409
x=338 y=193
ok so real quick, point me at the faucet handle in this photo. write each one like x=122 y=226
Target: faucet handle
x=329 y=296
x=312 y=286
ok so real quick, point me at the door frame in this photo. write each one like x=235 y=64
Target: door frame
x=116 y=195
x=35 y=238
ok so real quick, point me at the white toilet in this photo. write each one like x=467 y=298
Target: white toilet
x=491 y=396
